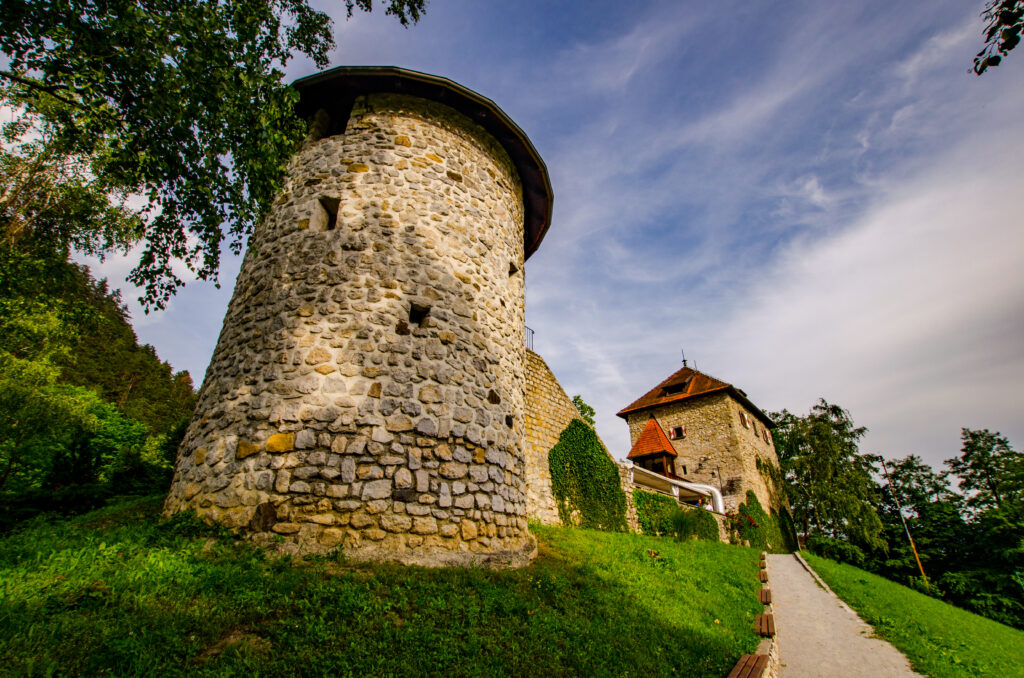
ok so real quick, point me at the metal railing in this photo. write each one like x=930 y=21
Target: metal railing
x=529 y=338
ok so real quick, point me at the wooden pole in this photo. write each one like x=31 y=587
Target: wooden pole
x=892 y=490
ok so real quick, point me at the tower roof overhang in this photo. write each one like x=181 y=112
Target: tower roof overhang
x=336 y=90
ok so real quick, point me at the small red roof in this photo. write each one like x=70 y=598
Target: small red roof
x=652 y=440
x=688 y=383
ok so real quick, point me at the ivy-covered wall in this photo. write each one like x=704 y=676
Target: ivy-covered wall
x=585 y=480
x=654 y=512
x=761 y=530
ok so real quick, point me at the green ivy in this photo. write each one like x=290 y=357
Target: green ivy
x=585 y=480
x=757 y=527
x=654 y=512
x=772 y=475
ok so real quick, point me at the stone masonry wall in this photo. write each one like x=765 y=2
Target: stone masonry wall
x=717 y=450
x=548 y=411
x=367 y=389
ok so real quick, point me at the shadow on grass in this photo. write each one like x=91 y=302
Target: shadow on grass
x=98 y=595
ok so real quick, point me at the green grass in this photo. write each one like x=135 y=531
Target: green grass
x=120 y=592
x=940 y=640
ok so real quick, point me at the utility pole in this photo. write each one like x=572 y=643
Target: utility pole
x=899 y=507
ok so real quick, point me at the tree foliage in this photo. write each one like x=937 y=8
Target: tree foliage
x=59 y=424
x=1004 y=23
x=585 y=480
x=585 y=410
x=180 y=102
x=970 y=543
x=829 y=483
x=991 y=473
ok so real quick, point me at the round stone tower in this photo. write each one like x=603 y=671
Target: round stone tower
x=367 y=389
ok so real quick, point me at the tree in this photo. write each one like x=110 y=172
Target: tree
x=829 y=482
x=1004 y=25
x=180 y=102
x=49 y=198
x=990 y=470
x=585 y=410
x=916 y=484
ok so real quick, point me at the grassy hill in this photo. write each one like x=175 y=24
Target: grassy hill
x=940 y=640
x=120 y=592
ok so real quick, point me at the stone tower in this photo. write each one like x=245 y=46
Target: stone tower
x=367 y=389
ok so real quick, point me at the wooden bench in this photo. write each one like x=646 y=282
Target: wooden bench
x=750 y=666
x=763 y=576
x=764 y=625
x=765 y=596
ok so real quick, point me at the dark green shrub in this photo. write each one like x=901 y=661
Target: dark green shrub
x=585 y=480
x=836 y=549
x=655 y=512
x=66 y=501
x=698 y=523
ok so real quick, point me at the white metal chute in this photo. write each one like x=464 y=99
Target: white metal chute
x=680 y=489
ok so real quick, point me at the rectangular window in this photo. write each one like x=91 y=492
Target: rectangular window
x=677 y=432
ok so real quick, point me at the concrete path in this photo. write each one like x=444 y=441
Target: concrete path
x=819 y=636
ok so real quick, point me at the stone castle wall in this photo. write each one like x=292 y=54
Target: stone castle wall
x=548 y=411
x=717 y=450
x=367 y=389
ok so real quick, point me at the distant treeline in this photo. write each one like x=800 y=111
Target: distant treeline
x=85 y=411
x=970 y=538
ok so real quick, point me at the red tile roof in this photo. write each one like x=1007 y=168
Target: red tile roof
x=687 y=384
x=652 y=440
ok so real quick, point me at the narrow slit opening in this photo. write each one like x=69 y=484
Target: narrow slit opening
x=330 y=208
x=417 y=314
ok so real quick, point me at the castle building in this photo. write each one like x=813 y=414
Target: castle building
x=368 y=386
x=695 y=429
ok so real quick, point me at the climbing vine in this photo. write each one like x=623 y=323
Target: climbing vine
x=772 y=476
x=760 y=529
x=585 y=480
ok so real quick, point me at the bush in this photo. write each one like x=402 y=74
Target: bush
x=836 y=549
x=655 y=512
x=698 y=523
x=752 y=524
x=67 y=501
x=585 y=480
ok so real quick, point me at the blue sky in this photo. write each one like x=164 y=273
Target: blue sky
x=813 y=199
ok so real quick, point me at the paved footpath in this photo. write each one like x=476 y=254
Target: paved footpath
x=819 y=636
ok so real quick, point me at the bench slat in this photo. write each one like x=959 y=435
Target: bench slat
x=750 y=666
x=765 y=596
x=765 y=625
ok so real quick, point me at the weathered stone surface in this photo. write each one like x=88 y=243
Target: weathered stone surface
x=374 y=345
x=244 y=449
x=280 y=442
x=424 y=525
x=377 y=489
